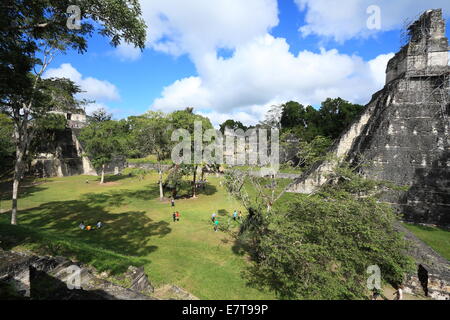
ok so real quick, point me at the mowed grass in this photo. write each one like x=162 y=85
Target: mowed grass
x=437 y=238
x=138 y=230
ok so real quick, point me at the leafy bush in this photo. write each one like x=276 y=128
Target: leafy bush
x=320 y=246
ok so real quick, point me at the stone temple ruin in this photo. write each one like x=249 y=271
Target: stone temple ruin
x=402 y=136
x=65 y=155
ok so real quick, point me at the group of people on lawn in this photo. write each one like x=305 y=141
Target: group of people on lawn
x=98 y=225
x=175 y=216
x=215 y=221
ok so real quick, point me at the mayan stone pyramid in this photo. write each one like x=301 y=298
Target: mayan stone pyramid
x=403 y=132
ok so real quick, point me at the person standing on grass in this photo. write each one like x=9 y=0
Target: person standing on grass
x=174 y=216
x=172 y=202
x=178 y=216
x=240 y=215
x=213 y=217
x=235 y=214
x=216 y=225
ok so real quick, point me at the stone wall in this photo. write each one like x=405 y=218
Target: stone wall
x=427 y=50
x=47 y=278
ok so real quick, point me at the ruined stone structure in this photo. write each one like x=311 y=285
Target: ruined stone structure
x=66 y=157
x=47 y=278
x=403 y=132
x=25 y=276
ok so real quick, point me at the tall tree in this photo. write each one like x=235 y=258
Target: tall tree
x=320 y=246
x=100 y=115
x=185 y=119
x=30 y=34
x=152 y=137
x=101 y=142
x=273 y=117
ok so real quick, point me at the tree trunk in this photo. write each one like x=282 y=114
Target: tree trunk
x=102 y=181
x=202 y=179
x=194 y=185
x=23 y=135
x=15 y=191
x=161 y=191
x=17 y=175
x=203 y=174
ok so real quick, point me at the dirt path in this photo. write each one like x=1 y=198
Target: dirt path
x=389 y=294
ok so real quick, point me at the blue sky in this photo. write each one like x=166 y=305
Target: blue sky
x=233 y=58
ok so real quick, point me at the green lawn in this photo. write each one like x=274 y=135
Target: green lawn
x=139 y=230
x=437 y=238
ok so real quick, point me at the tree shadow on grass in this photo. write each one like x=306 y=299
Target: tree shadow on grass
x=117 y=198
x=240 y=248
x=26 y=188
x=126 y=233
x=223 y=212
x=209 y=190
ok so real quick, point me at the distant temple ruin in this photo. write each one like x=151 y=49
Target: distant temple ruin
x=403 y=132
x=65 y=155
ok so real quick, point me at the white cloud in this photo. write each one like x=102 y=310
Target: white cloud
x=346 y=19
x=196 y=26
x=264 y=72
x=90 y=107
x=94 y=89
x=378 y=66
x=128 y=52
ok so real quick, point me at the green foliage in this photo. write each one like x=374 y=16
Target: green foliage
x=51 y=122
x=149 y=161
x=311 y=152
x=174 y=180
x=100 y=115
x=102 y=141
x=232 y=124
x=320 y=246
x=185 y=119
x=333 y=117
x=151 y=135
x=30 y=29
x=6 y=143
